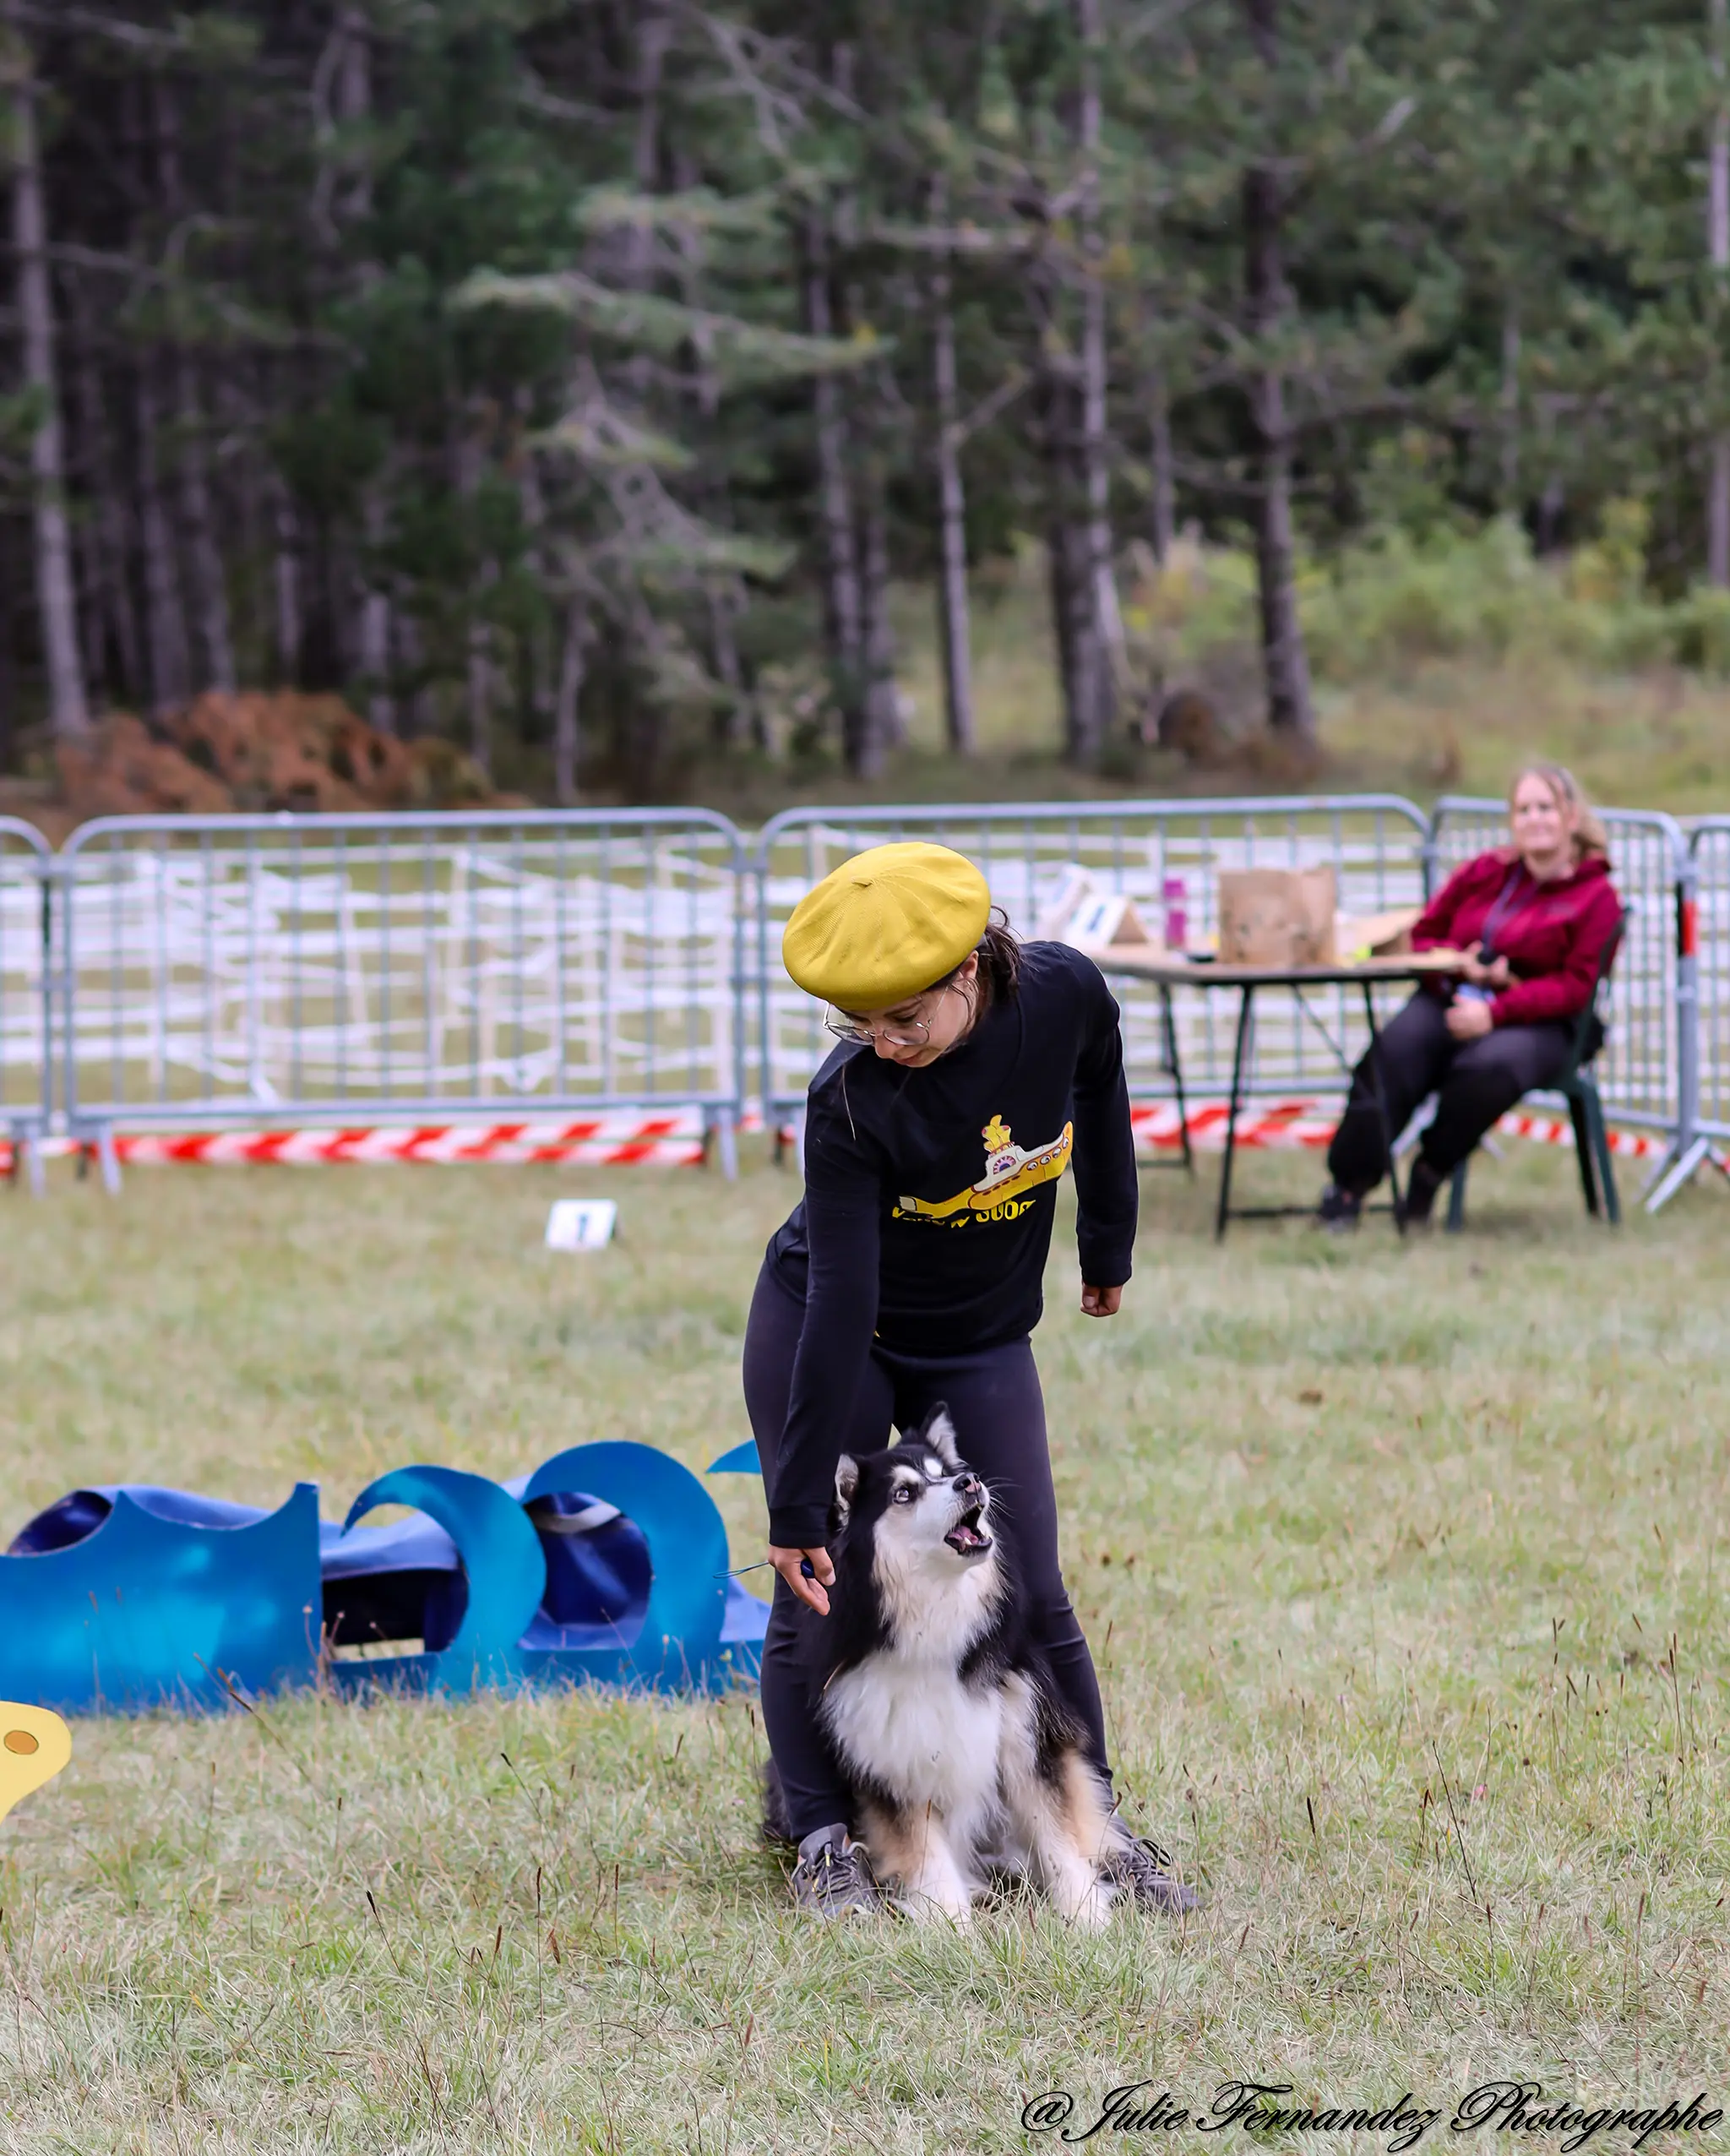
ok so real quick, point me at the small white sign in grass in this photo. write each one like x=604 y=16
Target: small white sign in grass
x=581 y=1223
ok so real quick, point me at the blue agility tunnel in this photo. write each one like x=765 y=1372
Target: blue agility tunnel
x=608 y=1563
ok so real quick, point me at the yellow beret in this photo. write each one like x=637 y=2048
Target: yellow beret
x=886 y=924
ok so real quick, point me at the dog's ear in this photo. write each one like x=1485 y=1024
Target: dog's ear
x=846 y=1485
x=939 y=1434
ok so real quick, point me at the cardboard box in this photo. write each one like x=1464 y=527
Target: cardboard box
x=1277 y=916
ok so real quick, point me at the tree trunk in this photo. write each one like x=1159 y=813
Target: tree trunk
x=1289 y=708
x=204 y=557
x=354 y=103
x=8 y=660
x=285 y=581
x=165 y=621
x=481 y=683
x=1081 y=659
x=882 y=707
x=655 y=30
x=538 y=656
x=1551 y=504
x=1718 y=252
x=742 y=725
x=1162 y=508
x=1291 y=711
x=84 y=473
x=1510 y=410
x=480 y=698
x=375 y=618
x=375 y=659
x=112 y=606
x=1095 y=442
x=57 y=595
x=420 y=701
x=843 y=601
x=1060 y=582
x=952 y=514
x=94 y=639
x=572 y=666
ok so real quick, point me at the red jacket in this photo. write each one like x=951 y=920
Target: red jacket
x=1550 y=934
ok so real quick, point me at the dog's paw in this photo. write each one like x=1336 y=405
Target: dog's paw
x=932 y=1909
x=1084 y=1901
x=1093 y=1912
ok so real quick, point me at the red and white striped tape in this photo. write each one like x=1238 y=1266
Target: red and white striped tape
x=622 y=1138
x=1308 y=1124
x=1274 y=1125
x=1557 y=1131
x=613 y=1140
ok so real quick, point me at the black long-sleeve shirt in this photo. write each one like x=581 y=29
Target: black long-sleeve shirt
x=929 y=1197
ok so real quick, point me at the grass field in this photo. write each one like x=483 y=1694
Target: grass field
x=1399 y=1564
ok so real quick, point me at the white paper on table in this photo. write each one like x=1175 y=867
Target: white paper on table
x=1107 y=920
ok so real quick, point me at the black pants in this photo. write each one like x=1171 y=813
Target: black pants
x=999 y=1416
x=1475 y=1082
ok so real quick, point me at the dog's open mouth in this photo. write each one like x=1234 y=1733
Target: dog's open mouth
x=967 y=1539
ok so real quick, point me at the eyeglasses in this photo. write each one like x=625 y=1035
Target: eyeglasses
x=899 y=1032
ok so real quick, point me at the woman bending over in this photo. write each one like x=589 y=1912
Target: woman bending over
x=971 y=1072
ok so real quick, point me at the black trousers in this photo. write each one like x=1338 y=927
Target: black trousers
x=999 y=1416
x=1475 y=1082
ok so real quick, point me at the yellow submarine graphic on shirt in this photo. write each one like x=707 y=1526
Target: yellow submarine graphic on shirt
x=1010 y=1170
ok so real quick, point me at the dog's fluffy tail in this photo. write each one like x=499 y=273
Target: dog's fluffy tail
x=777 y=1826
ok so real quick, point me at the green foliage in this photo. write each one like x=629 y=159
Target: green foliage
x=744 y=353
x=1700 y=631
x=1402 y=599
x=562 y=326
x=1398 y=600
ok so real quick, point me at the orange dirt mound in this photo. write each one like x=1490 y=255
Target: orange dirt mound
x=258 y=751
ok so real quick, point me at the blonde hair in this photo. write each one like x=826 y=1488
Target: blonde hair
x=1589 y=834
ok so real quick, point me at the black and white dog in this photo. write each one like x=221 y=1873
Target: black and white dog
x=943 y=1712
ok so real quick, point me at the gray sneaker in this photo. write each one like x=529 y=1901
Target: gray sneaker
x=834 y=1877
x=1145 y=1869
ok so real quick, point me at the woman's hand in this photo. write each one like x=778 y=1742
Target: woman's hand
x=1495 y=975
x=1469 y=1021
x=787 y=1562
x=1101 y=1302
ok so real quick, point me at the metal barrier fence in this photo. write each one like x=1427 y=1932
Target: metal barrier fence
x=230 y=969
x=26 y=1046
x=1646 y=1071
x=1165 y=856
x=196 y=973
x=1709 y=849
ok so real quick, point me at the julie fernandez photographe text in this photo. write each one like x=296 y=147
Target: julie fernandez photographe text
x=1517 y=2107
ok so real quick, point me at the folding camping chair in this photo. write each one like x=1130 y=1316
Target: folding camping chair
x=1579 y=1088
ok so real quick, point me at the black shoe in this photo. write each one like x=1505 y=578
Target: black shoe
x=1339 y=1211
x=1421 y=1194
x=1144 y=1868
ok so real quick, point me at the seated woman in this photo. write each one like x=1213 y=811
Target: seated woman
x=1532 y=918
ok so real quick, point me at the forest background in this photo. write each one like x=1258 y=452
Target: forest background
x=630 y=398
